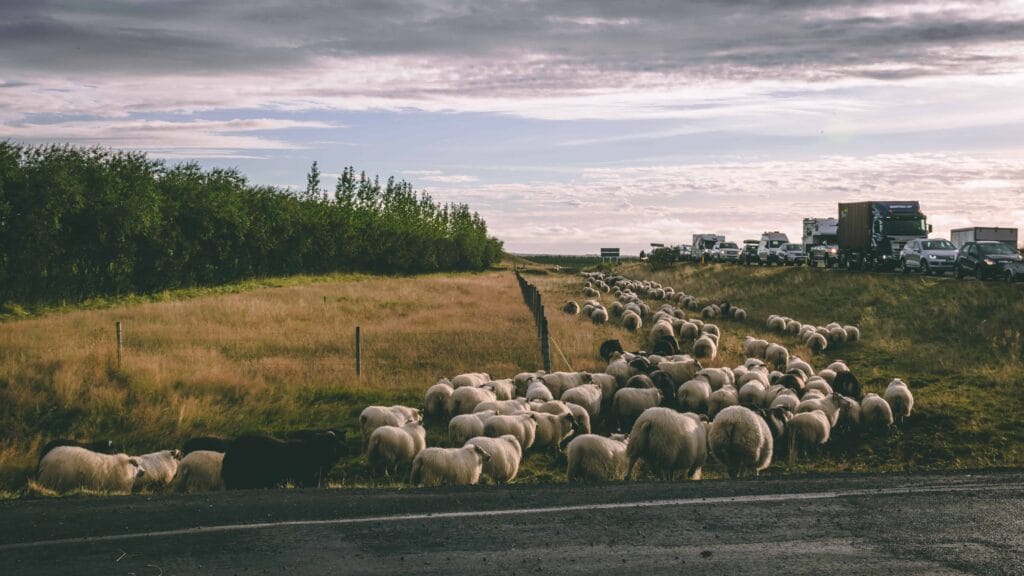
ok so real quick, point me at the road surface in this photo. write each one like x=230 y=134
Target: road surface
x=934 y=523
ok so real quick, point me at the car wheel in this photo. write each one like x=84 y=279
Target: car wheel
x=958 y=272
x=1008 y=277
x=903 y=266
x=924 y=269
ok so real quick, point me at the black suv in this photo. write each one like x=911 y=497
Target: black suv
x=989 y=260
x=749 y=253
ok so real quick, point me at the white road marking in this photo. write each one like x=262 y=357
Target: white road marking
x=719 y=500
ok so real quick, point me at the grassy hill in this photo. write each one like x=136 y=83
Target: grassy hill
x=281 y=357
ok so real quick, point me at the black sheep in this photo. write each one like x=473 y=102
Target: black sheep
x=258 y=461
x=210 y=443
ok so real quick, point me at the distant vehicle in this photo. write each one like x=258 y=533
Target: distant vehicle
x=989 y=259
x=703 y=243
x=767 y=247
x=927 y=256
x=819 y=231
x=791 y=254
x=725 y=252
x=685 y=252
x=961 y=236
x=749 y=253
x=826 y=255
x=871 y=234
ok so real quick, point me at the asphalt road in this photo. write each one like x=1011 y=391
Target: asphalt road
x=949 y=523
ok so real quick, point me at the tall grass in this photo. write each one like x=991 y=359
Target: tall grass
x=271 y=359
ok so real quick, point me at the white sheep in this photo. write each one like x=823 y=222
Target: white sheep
x=392 y=446
x=739 y=314
x=798 y=363
x=199 y=471
x=538 y=390
x=504 y=407
x=559 y=382
x=852 y=333
x=668 y=442
x=503 y=389
x=522 y=426
x=506 y=453
x=717 y=377
x=689 y=330
x=875 y=412
x=594 y=458
x=435 y=401
x=599 y=315
x=786 y=398
x=631 y=321
x=473 y=379
x=806 y=431
x=619 y=368
x=160 y=468
x=693 y=395
x=373 y=417
x=679 y=370
x=571 y=307
x=456 y=466
x=522 y=380
x=629 y=403
x=754 y=347
x=588 y=396
x=741 y=440
x=68 y=467
x=722 y=398
x=818 y=383
x=465 y=399
x=776 y=323
x=705 y=348
x=552 y=429
x=776 y=355
x=817 y=342
x=465 y=426
x=813 y=400
x=900 y=399
x=752 y=394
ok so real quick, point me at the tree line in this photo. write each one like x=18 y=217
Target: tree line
x=80 y=222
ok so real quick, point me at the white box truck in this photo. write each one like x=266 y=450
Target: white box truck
x=1007 y=236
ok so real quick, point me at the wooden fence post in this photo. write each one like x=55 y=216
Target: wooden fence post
x=117 y=326
x=359 y=353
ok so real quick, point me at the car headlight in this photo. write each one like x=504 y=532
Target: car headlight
x=989 y=261
x=932 y=256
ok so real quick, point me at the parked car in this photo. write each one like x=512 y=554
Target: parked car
x=769 y=244
x=725 y=252
x=988 y=259
x=749 y=253
x=826 y=255
x=791 y=254
x=685 y=253
x=928 y=256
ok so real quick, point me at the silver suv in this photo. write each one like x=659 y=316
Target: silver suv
x=791 y=255
x=928 y=256
x=725 y=252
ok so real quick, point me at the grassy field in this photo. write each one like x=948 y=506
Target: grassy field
x=279 y=355
x=958 y=345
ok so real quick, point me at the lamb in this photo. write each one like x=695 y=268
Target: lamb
x=631 y=321
x=466 y=426
x=504 y=407
x=436 y=399
x=473 y=379
x=875 y=412
x=257 y=461
x=392 y=446
x=199 y=471
x=776 y=355
x=668 y=442
x=66 y=468
x=588 y=396
x=160 y=468
x=722 y=398
x=754 y=347
x=629 y=403
x=806 y=431
x=571 y=307
x=522 y=426
x=693 y=395
x=464 y=400
x=740 y=440
x=538 y=390
x=373 y=417
x=552 y=429
x=705 y=348
x=594 y=458
x=506 y=453
x=456 y=466
x=900 y=399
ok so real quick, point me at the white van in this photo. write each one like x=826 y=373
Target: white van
x=769 y=245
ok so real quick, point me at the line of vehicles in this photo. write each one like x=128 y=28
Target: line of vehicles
x=874 y=235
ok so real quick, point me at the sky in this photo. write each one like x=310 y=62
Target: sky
x=568 y=125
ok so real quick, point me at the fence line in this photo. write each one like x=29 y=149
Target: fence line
x=536 y=305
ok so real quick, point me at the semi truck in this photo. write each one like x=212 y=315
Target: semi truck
x=819 y=231
x=871 y=234
x=961 y=236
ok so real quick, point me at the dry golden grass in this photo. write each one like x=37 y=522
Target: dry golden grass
x=270 y=359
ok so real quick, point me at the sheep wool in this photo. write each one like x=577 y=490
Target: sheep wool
x=669 y=443
x=593 y=458
x=456 y=466
x=506 y=453
x=900 y=399
x=199 y=471
x=69 y=467
x=740 y=440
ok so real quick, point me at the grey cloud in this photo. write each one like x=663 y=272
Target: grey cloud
x=582 y=41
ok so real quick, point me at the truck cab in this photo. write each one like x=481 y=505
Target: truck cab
x=872 y=234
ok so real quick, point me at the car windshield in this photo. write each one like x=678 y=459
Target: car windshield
x=995 y=248
x=904 y=226
x=775 y=243
x=793 y=247
x=937 y=245
x=728 y=245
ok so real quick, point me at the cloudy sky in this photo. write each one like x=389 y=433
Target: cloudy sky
x=568 y=125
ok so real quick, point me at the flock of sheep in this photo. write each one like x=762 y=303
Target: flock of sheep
x=663 y=409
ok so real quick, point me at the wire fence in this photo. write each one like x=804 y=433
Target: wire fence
x=536 y=305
